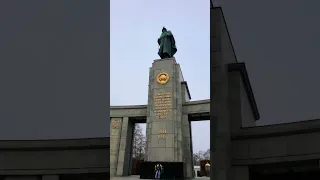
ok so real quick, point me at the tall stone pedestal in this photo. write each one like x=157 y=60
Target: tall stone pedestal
x=164 y=118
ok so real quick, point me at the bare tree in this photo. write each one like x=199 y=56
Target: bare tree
x=206 y=155
x=139 y=143
x=201 y=155
x=196 y=159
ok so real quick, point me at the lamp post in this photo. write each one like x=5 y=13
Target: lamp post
x=207 y=168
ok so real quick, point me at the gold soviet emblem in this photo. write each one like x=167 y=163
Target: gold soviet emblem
x=116 y=123
x=163 y=78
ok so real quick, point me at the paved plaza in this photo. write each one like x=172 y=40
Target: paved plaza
x=137 y=177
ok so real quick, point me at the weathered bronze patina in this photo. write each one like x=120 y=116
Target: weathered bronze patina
x=167 y=44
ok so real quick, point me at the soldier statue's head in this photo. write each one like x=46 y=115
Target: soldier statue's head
x=164 y=29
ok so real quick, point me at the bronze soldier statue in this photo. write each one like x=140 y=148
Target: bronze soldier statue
x=167 y=44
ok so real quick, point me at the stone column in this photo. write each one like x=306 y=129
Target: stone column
x=187 y=147
x=235 y=110
x=219 y=126
x=115 y=132
x=164 y=135
x=186 y=136
x=168 y=129
x=125 y=147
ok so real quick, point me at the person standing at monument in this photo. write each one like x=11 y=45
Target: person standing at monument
x=158 y=171
x=167 y=44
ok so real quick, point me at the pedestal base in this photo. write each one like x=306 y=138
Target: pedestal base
x=171 y=170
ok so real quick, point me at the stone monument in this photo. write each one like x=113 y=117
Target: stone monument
x=166 y=115
x=164 y=111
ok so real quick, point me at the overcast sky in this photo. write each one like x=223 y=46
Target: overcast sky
x=280 y=43
x=136 y=26
x=278 y=40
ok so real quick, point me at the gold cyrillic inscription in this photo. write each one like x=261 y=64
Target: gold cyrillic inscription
x=162 y=104
x=162 y=134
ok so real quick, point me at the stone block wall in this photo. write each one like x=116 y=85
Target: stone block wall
x=115 y=134
x=121 y=146
x=220 y=125
x=169 y=148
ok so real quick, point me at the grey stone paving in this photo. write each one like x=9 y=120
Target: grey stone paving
x=137 y=177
